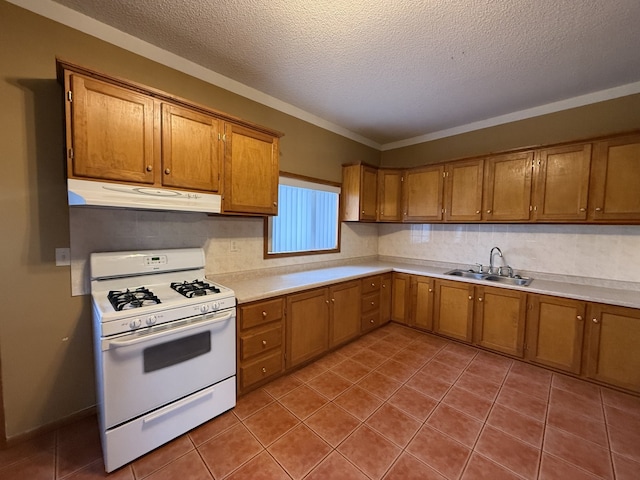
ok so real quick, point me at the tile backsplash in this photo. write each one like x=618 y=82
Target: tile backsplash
x=107 y=229
x=595 y=251
x=607 y=252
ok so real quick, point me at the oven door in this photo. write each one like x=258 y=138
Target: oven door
x=142 y=371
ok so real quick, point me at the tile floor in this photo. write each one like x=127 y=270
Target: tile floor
x=395 y=404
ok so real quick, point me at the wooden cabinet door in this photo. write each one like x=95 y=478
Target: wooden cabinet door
x=422 y=194
x=507 y=187
x=400 y=297
x=555 y=332
x=345 y=312
x=562 y=183
x=110 y=132
x=613 y=355
x=389 y=195
x=385 y=298
x=250 y=171
x=422 y=302
x=453 y=309
x=615 y=180
x=499 y=320
x=463 y=191
x=307 y=321
x=359 y=196
x=190 y=149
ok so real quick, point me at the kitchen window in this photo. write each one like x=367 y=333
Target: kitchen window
x=307 y=221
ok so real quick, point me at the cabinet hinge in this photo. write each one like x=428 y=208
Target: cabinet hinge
x=70 y=96
x=71 y=153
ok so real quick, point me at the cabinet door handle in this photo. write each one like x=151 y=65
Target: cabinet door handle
x=477 y=212
x=275 y=204
x=167 y=171
x=595 y=320
x=598 y=209
x=579 y=317
x=333 y=300
x=582 y=209
x=264 y=370
x=372 y=321
x=264 y=314
x=373 y=285
x=479 y=299
x=264 y=343
x=149 y=168
x=327 y=302
x=430 y=290
x=488 y=211
x=470 y=297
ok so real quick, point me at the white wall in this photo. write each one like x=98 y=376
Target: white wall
x=600 y=251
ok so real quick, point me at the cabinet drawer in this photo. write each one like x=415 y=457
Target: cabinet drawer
x=260 y=369
x=259 y=342
x=370 y=302
x=260 y=313
x=371 y=284
x=370 y=321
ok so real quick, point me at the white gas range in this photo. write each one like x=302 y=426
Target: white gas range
x=164 y=341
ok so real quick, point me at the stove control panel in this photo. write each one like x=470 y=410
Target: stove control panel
x=152 y=260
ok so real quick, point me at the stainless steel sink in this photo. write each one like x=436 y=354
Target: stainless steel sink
x=517 y=280
x=491 y=277
x=467 y=274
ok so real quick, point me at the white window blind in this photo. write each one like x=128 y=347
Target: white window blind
x=307 y=219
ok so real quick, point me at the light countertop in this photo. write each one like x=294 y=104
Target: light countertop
x=258 y=286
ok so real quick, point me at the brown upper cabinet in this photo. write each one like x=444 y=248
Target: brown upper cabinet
x=463 y=191
x=562 y=183
x=422 y=194
x=359 y=193
x=191 y=149
x=592 y=181
x=507 y=187
x=615 y=180
x=250 y=171
x=110 y=132
x=120 y=131
x=390 y=195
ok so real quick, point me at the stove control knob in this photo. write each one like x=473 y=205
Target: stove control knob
x=151 y=320
x=204 y=308
x=135 y=323
x=215 y=306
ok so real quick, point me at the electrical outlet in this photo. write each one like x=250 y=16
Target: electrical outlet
x=63 y=257
x=233 y=246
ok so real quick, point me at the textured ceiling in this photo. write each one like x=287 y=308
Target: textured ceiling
x=391 y=70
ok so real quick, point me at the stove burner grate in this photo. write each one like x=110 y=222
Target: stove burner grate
x=194 y=289
x=128 y=299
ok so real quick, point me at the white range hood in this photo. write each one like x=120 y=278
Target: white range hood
x=103 y=194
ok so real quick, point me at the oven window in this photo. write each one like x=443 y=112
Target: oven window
x=176 y=351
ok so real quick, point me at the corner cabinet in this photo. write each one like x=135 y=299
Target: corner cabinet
x=121 y=131
x=359 y=193
x=390 y=195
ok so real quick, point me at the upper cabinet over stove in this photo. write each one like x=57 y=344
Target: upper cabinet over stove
x=123 y=132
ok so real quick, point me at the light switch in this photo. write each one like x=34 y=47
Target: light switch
x=63 y=257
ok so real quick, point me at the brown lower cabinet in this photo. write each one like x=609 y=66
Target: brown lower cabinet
x=613 y=346
x=453 y=309
x=344 y=312
x=422 y=297
x=499 y=320
x=400 y=297
x=260 y=342
x=555 y=332
x=307 y=326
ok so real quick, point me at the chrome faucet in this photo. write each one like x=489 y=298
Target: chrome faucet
x=491 y=267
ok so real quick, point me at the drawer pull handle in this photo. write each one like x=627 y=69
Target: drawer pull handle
x=477 y=212
x=264 y=370
x=582 y=209
x=373 y=284
x=264 y=343
x=579 y=317
x=479 y=299
x=470 y=297
x=149 y=168
x=372 y=321
x=488 y=211
x=167 y=171
x=431 y=290
x=595 y=320
x=598 y=209
x=264 y=314
x=373 y=303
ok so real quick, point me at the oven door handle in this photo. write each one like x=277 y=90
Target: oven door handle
x=171 y=331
